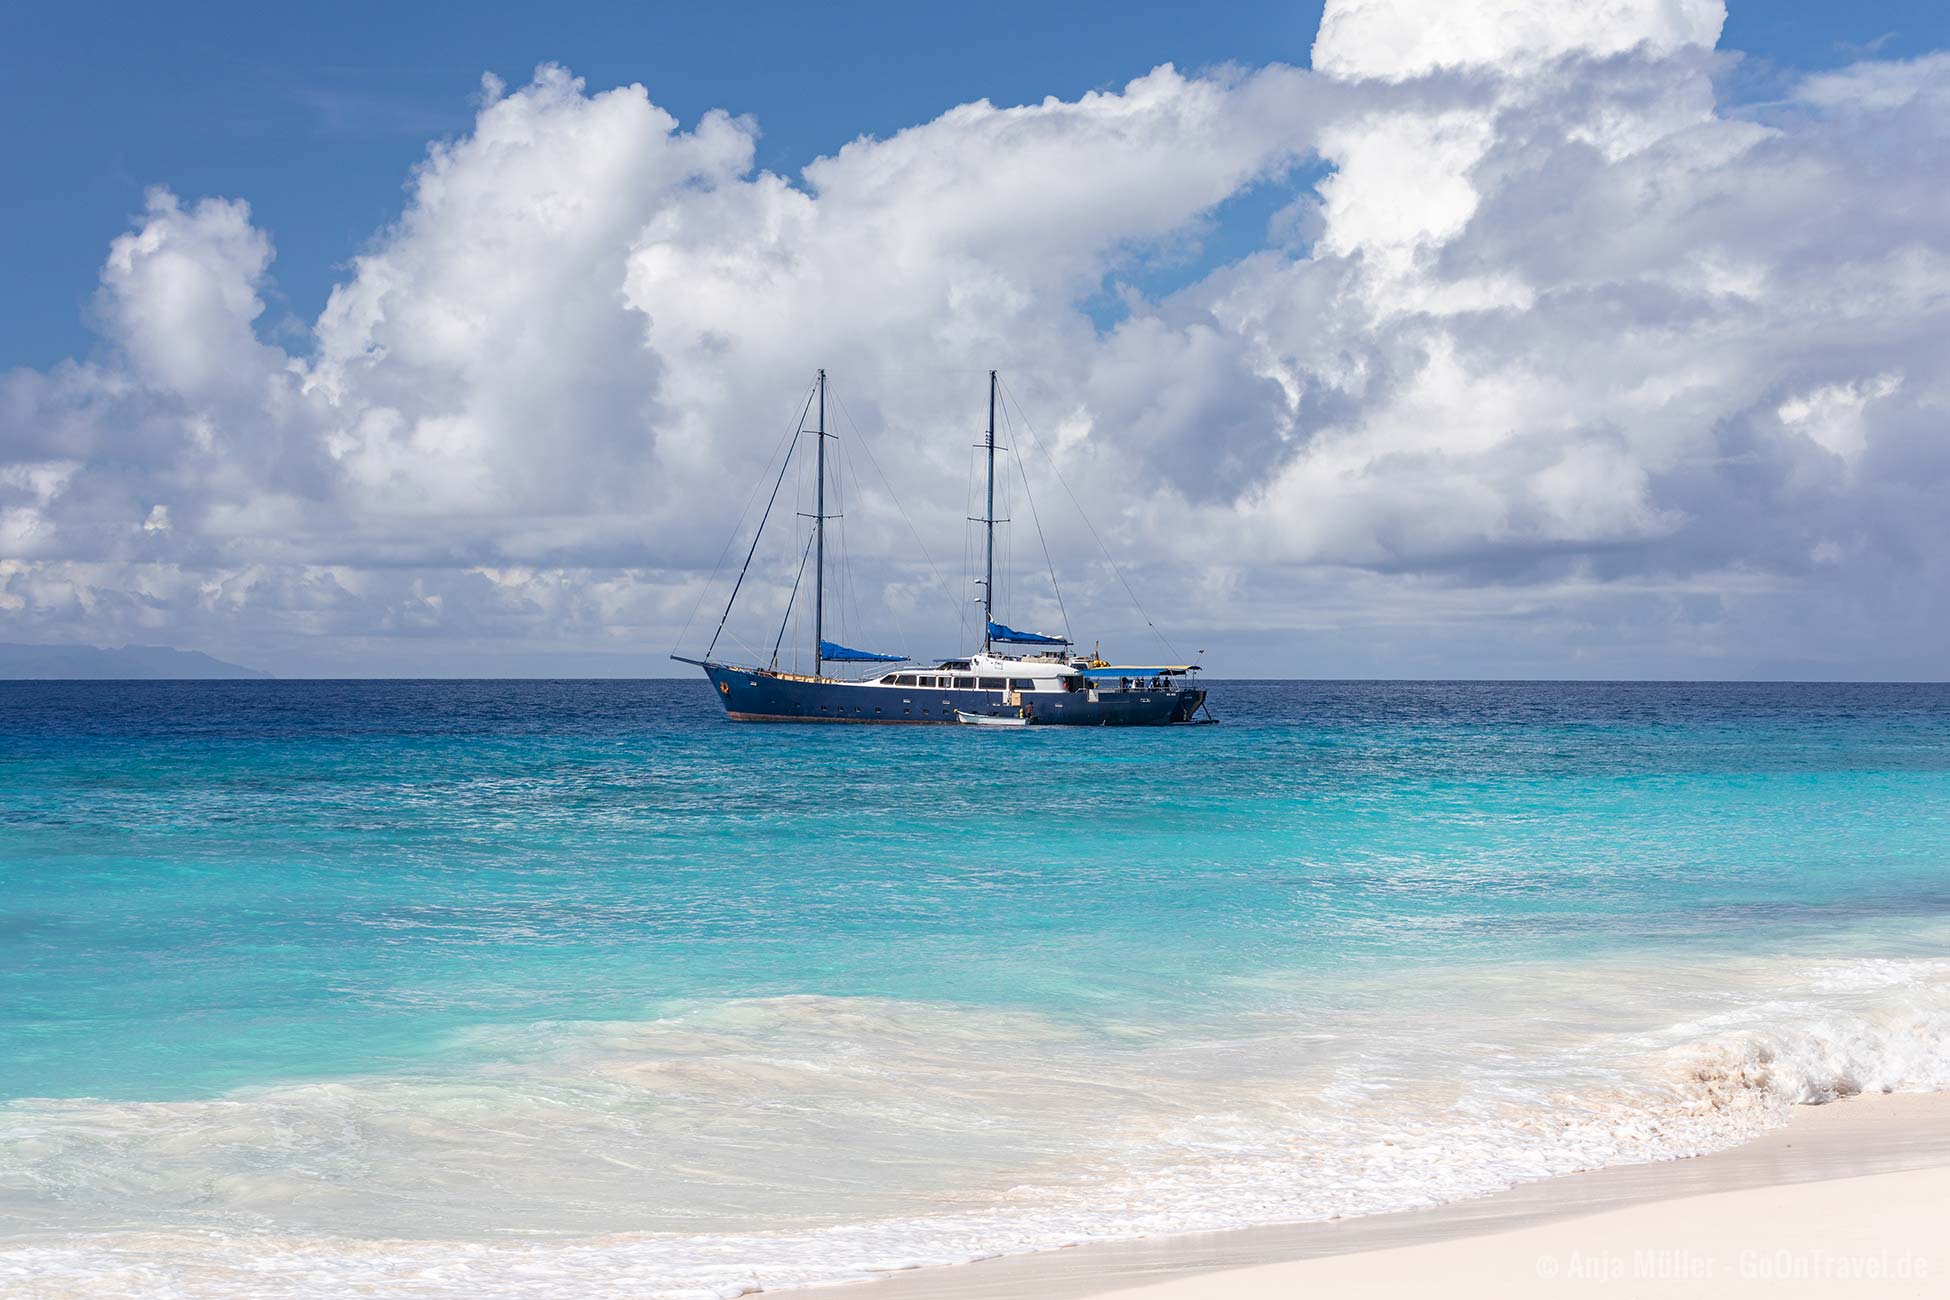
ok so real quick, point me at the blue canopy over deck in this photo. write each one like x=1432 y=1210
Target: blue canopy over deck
x=1000 y=632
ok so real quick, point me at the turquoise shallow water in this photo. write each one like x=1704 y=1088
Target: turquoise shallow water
x=293 y=969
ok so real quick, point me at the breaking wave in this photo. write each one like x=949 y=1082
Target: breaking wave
x=760 y=1144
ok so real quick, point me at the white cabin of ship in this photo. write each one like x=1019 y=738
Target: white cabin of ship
x=1019 y=673
x=985 y=672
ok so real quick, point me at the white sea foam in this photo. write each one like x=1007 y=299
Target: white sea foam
x=774 y=1142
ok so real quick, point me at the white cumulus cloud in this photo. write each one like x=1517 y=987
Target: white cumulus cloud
x=1547 y=337
x=1398 y=39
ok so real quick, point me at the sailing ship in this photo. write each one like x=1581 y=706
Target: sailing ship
x=1040 y=682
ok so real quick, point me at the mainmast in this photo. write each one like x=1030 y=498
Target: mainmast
x=819 y=533
x=988 y=519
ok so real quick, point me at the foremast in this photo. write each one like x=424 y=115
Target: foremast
x=819 y=537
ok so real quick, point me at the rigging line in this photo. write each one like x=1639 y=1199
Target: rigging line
x=1009 y=536
x=855 y=579
x=971 y=545
x=1029 y=496
x=755 y=536
x=849 y=623
x=867 y=447
x=859 y=489
x=747 y=647
x=849 y=586
x=969 y=582
x=739 y=527
x=1005 y=550
x=835 y=546
x=859 y=597
x=1008 y=545
x=1092 y=527
x=797 y=579
x=962 y=604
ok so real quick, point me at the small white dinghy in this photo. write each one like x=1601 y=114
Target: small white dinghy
x=990 y=719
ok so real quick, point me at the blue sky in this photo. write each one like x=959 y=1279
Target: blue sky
x=316 y=113
x=1436 y=338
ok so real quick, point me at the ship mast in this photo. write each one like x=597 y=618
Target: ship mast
x=819 y=537
x=988 y=519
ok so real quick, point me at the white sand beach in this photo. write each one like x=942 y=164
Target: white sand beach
x=1849 y=1200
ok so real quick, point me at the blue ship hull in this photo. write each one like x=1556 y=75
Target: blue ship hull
x=754 y=695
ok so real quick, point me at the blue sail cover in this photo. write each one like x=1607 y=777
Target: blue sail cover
x=841 y=655
x=997 y=632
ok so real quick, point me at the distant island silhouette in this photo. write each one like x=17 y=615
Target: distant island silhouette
x=99 y=663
